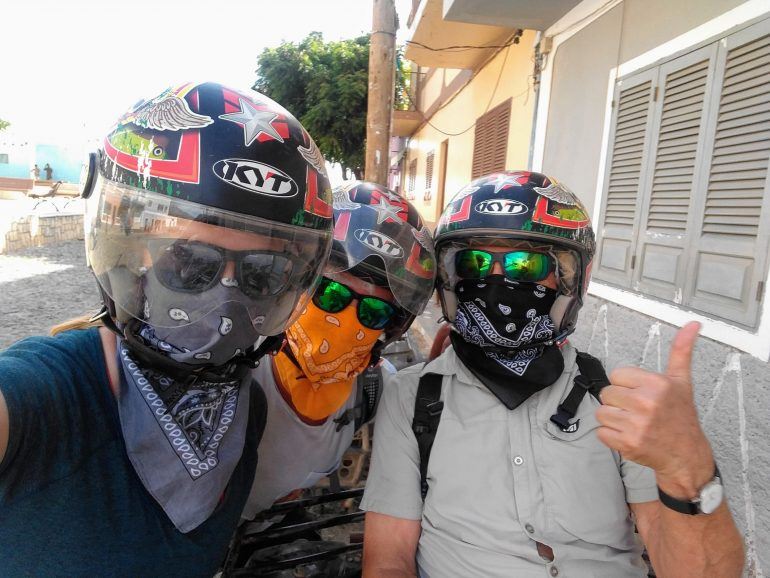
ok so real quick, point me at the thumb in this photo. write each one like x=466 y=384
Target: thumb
x=680 y=355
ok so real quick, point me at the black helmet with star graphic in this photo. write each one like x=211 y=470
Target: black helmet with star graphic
x=519 y=207
x=381 y=234
x=204 y=155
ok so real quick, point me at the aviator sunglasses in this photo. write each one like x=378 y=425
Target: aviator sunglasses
x=517 y=265
x=373 y=312
x=195 y=267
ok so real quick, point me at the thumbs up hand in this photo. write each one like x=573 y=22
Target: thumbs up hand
x=650 y=418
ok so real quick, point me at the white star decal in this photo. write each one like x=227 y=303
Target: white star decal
x=386 y=211
x=253 y=121
x=503 y=181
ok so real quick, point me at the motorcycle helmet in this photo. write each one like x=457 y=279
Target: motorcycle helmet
x=201 y=195
x=528 y=209
x=379 y=236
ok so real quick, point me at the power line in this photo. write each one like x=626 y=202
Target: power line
x=465 y=47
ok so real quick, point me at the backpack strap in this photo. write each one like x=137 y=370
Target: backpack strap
x=591 y=379
x=427 y=414
x=368 y=393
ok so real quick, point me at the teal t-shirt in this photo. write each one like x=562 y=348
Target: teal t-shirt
x=70 y=501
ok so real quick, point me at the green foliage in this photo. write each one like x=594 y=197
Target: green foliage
x=4 y=124
x=323 y=84
x=404 y=94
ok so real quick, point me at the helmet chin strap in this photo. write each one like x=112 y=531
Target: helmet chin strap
x=150 y=358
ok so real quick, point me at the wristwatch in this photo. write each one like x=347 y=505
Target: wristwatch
x=708 y=500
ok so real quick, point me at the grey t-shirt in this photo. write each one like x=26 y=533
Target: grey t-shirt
x=293 y=454
x=502 y=480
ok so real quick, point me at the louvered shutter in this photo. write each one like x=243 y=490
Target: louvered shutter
x=679 y=126
x=490 y=144
x=624 y=178
x=729 y=259
x=429 y=175
x=412 y=179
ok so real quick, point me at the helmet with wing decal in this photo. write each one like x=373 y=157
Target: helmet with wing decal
x=206 y=158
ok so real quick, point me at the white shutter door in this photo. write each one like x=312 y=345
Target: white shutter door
x=623 y=180
x=730 y=255
x=677 y=152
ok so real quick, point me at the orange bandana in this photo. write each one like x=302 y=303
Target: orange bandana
x=331 y=349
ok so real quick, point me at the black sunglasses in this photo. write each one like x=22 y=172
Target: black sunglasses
x=373 y=312
x=195 y=267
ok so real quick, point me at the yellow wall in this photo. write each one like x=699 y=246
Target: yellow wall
x=505 y=76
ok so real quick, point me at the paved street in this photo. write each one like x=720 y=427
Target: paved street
x=42 y=286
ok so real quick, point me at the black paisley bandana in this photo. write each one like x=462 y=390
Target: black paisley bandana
x=497 y=319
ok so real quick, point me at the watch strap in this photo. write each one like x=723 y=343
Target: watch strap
x=690 y=507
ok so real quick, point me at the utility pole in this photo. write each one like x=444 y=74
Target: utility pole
x=382 y=68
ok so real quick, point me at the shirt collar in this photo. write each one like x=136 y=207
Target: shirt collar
x=449 y=364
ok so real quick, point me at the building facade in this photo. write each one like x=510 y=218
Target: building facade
x=657 y=114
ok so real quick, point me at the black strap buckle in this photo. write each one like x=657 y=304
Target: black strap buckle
x=561 y=418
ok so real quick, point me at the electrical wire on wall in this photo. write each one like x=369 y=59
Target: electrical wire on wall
x=506 y=46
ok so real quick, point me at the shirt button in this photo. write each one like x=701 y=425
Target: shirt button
x=554 y=571
x=529 y=528
x=518 y=460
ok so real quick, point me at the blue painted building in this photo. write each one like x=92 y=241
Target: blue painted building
x=17 y=157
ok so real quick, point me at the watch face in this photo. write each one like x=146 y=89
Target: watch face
x=711 y=496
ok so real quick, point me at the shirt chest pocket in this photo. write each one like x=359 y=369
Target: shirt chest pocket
x=582 y=484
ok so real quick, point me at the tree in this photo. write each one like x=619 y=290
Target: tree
x=4 y=124
x=323 y=84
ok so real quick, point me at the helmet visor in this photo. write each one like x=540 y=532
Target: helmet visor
x=386 y=245
x=170 y=262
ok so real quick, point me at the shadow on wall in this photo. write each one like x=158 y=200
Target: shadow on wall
x=732 y=399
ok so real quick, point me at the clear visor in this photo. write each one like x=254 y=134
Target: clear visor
x=401 y=251
x=171 y=262
x=566 y=261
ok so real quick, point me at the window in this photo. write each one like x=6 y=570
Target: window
x=3 y=158
x=490 y=143
x=429 y=176
x=412 y=179
x=686 y=211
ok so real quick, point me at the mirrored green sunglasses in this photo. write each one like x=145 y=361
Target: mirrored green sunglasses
x=517 y=265
x=373 y=312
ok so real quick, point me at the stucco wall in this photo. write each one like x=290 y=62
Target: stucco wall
x=461 y=114
x=581 y=69
x=731 y=391
x=576 y=110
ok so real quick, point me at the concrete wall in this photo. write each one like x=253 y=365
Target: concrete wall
x=503 y=77
x=25 y=231
x=733 y=403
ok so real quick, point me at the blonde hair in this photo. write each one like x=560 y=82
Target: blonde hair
x=84 y=321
